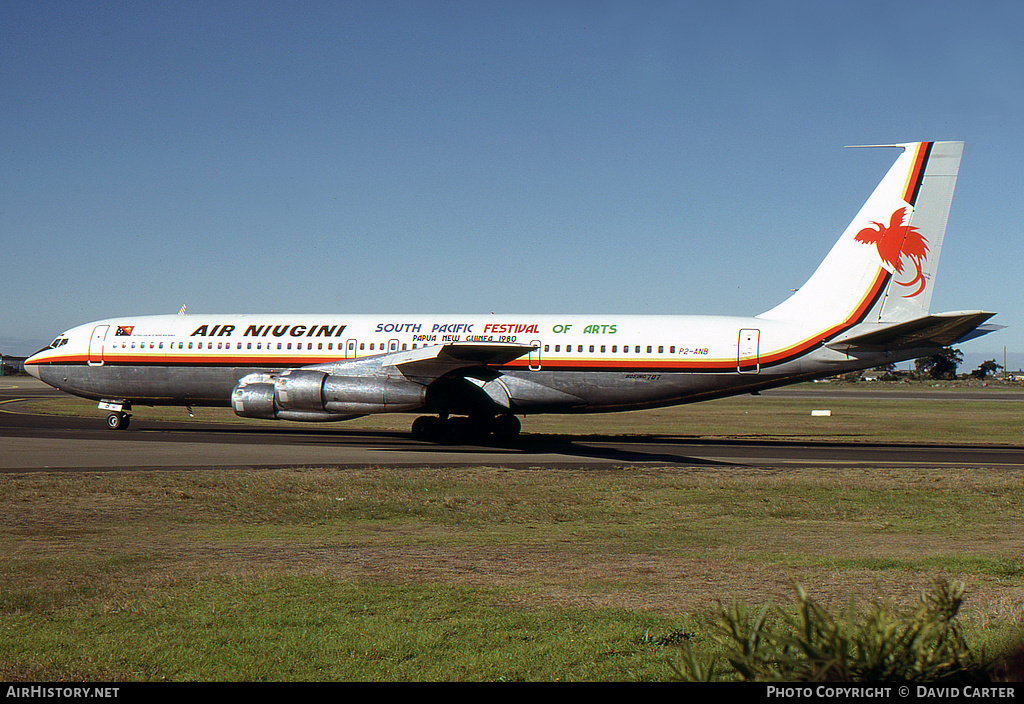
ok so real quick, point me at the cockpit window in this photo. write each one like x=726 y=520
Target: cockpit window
x=58 y=342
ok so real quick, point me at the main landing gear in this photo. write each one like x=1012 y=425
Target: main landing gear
x=459 y=429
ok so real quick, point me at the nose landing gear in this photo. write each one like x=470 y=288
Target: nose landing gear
x=119 y=420
x=120 y=414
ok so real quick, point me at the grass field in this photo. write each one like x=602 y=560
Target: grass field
x=487 y=573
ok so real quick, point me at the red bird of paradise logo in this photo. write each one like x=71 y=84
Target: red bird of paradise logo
x=896 y=242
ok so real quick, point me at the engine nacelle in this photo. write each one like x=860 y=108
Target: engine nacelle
x=253 y=397
x=313 y=395
x=300 y=390
x=354 y=394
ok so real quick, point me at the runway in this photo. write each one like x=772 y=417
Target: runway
x=34 y=442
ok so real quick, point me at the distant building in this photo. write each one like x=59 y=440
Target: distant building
x=11 y=365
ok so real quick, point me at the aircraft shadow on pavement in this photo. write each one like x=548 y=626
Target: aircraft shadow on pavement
x=519 y=450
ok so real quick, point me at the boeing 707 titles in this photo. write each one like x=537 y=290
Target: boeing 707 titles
x=866 y=305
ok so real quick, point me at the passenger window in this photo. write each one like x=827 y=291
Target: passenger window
x=602 y=349
x=661 y=349
x=648 y=349
x=615 y=348
x=591 y=348
x=558 y=348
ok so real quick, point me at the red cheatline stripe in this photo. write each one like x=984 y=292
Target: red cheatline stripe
x=719 y=365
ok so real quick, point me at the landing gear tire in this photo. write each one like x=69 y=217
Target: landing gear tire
x=506 y=427
x=459 y=430
x=118 y=421
x=427 y=428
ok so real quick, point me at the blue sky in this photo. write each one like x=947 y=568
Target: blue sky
x=592 y=157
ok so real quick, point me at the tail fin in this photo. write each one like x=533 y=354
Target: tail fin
x=883 y=267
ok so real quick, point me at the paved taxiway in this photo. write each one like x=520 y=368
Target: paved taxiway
x=50 y=443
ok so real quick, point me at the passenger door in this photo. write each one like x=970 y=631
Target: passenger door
x=99 y=334
x=748 y=356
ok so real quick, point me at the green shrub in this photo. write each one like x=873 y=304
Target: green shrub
x=809 y=643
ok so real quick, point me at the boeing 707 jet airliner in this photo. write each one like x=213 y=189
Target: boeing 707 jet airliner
x=866 y=305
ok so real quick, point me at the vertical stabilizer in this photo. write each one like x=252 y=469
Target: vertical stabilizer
x=883 y=267
x=909 y=293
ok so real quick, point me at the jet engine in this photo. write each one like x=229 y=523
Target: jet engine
x=314 y=395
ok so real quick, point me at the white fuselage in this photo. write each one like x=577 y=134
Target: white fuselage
x=591 y=363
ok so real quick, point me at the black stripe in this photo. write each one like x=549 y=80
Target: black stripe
x=920 y=175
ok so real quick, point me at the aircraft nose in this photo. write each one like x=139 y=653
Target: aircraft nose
x=31 y=365
x=32 y=369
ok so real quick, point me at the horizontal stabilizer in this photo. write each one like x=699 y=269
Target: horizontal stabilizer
x=981 y=330
x=938 y=330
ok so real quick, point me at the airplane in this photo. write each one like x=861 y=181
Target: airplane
x=866 y=305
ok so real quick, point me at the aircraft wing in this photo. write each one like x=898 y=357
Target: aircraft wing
x=938 y=330
x=440 y=359
x=428 y=363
